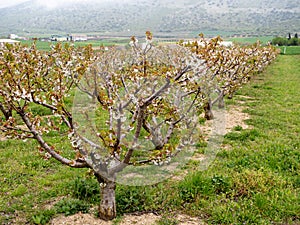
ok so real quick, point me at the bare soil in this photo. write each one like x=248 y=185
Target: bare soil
x=236 y=117
x=2 y=138
x=144 y=219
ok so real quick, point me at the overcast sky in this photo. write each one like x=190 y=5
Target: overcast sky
x=49 y=3
x=4 y=3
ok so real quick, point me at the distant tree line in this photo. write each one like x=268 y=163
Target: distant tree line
x=289 y=41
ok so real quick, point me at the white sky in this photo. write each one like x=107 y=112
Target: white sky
x=4 y=3
x=49 y=3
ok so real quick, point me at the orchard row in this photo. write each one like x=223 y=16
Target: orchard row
x=121 y=107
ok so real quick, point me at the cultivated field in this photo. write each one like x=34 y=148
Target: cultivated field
x=253 y=180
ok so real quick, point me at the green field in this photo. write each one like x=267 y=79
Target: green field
x=290 y=50
x=46 y=45
x=250 y=40
x=255 y=178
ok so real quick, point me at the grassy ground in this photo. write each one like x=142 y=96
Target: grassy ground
x=290 y=50
x=250 y=40
x=46 y=46
x=254 y=180
x=262 y=168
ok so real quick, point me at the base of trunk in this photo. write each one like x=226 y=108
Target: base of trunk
x=208 y=111
x=230 y=96
x=107 y=208
x=221 y=103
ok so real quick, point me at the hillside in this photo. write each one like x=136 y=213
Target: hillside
x=262 y=17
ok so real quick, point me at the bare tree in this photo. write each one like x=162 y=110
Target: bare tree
x=133 y=106
x=138 y=99
x=146 y=98
x=231 y=67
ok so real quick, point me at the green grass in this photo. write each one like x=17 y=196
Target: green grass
x=264 y=162
x=290 y=50
x=251 y=40
x=254 y=181
x=28 y=181
x=46 y=46
x=41 y=45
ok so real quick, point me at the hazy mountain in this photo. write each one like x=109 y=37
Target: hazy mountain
x=161 y=16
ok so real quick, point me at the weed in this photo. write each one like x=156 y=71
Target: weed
x=221 y=184
x=193 y=185
x=166 y=220
x=238 y=128
x=19 y=191
x=71 y=206
x=130 y=199
x=43 y=217
x=243 y=136
x=86 y=189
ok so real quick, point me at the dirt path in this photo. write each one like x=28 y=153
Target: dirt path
x=144 y=219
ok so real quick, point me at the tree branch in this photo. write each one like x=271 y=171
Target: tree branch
x=220 y=96
x=49 y=149
x=6 y=112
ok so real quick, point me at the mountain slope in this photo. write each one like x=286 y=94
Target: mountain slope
x=183 y=16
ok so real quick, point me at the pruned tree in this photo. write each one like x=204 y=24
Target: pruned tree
x=31 y=77
x=133 y=106
x=230 y=67
x=146 y=97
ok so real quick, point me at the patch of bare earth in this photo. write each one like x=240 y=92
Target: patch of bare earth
x=88 y=219
x=188 y=220
x=19 y=218
x=234 y=116
x=78 y=219
x=144 y=219
x=2 y=138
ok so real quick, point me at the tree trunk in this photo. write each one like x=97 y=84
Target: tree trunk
x=6 y=112
x=230 y=96
x=107 y=208
x=221 y=103
x=208 y=110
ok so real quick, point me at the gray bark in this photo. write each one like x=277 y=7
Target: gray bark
x=208 y=110
x=221 y=103
x=107 y=208
x=230 y=96
x=6 y=112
